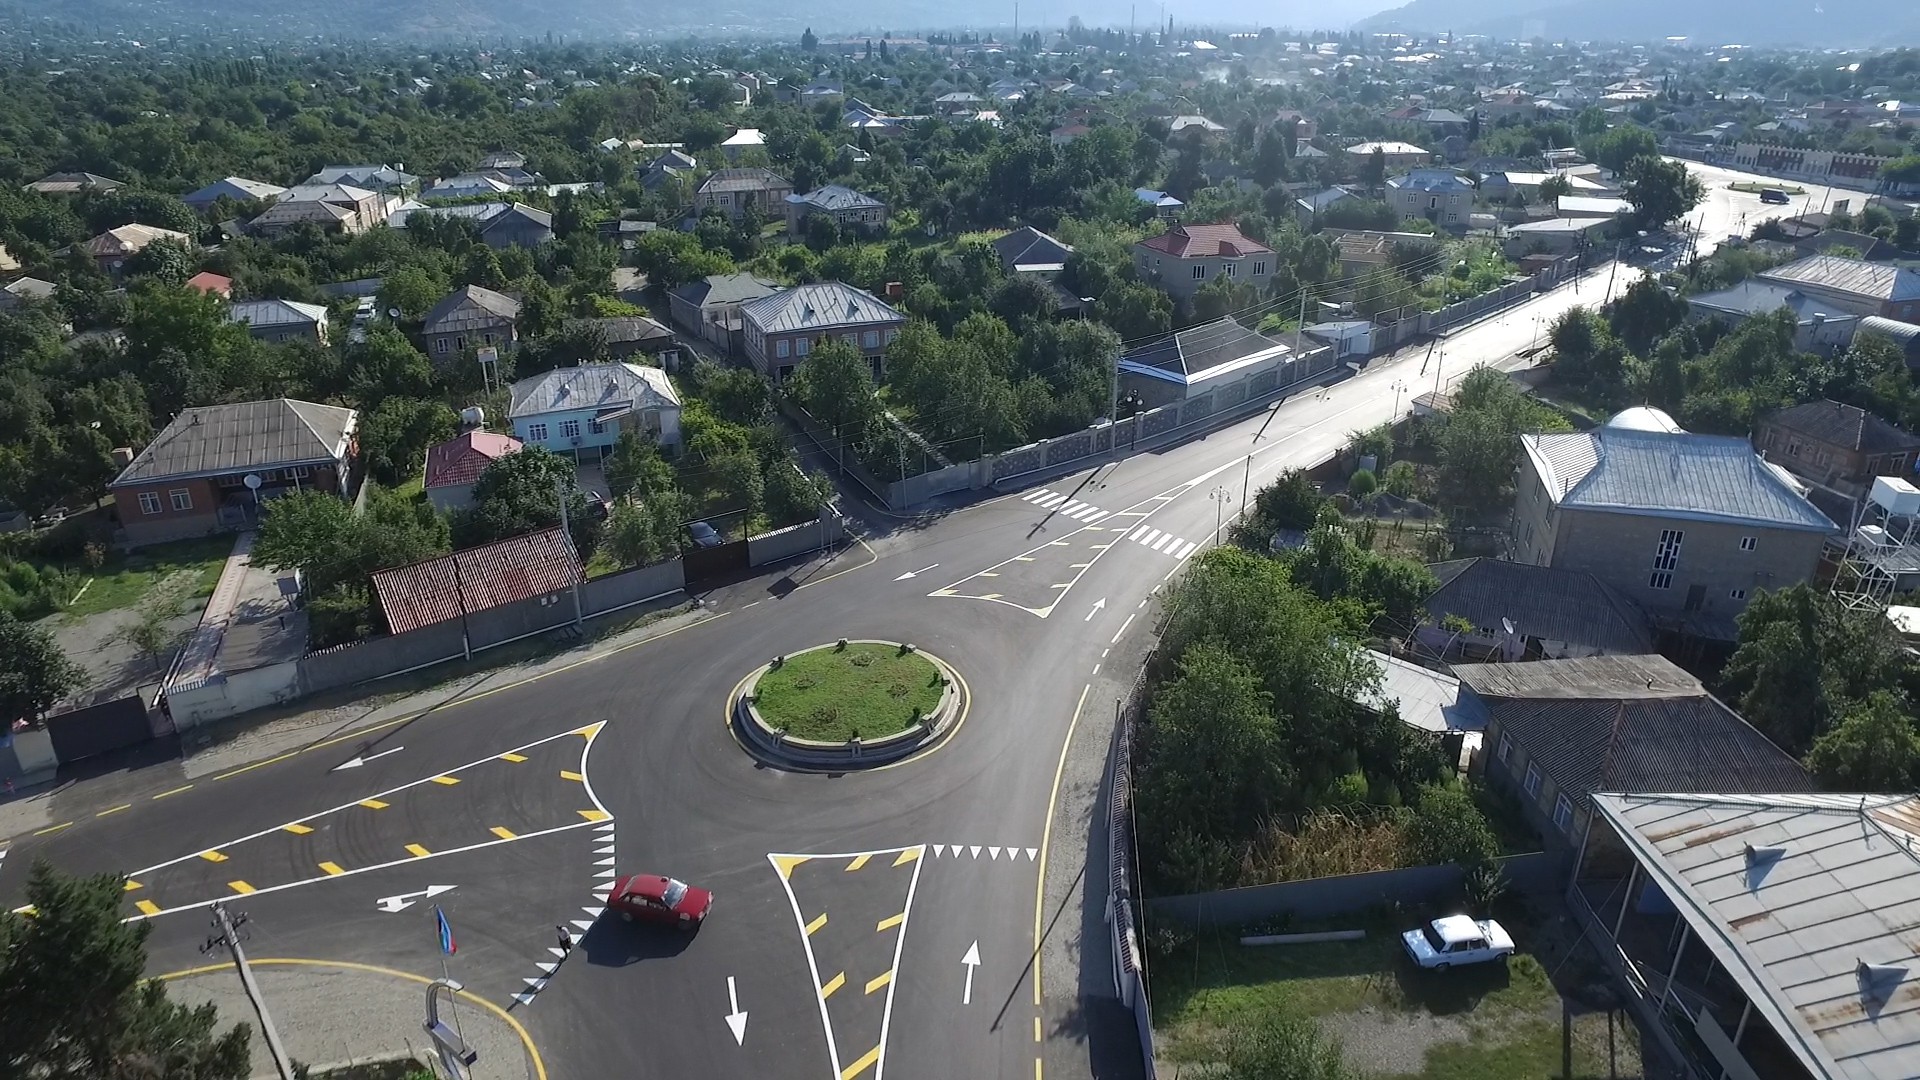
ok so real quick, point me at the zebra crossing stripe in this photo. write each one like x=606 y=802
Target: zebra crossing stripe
x=1035 y=495
x=1161 y=544
x=1098 y=514
x=1188 y=550
x=1052 y=500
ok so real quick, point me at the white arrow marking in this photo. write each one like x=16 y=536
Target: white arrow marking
x=1097 y=605
x=971 y=960
x=391 y=904
x=736 y=1020
x=356 y=762
x=915 y=573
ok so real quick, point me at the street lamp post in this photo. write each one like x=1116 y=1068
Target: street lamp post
x=1247 y=478
x=1221 y=496
x=1399 y=386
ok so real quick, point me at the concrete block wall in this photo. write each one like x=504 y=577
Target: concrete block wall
x=1349 y=894
x=644 y=583
x=795 y=540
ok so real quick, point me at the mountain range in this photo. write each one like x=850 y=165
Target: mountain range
x=1819 y=23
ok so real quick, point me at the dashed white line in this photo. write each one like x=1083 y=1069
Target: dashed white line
x=1123 y=627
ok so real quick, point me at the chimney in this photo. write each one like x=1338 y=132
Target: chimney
x=895 y=290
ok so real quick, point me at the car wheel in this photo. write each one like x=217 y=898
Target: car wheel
x=1442 y=966
x=626 y=916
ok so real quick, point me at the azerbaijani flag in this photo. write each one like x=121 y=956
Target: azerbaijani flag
x=447 y=945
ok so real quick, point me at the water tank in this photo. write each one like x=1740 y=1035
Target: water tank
x=1896 y=496
x=473 y=416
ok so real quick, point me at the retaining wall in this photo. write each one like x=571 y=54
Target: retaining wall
x=795 y=540
x=1320 y=898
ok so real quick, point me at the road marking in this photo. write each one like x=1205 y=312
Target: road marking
x=114 y=810
x=1046 y=838
x=502 y=832
x=976 y=851
x=54 y=828
x=1038 y=1071
x=417 y=851
x=990 y=596
x=1022 y=558
x=566 y=774
x=130 y=885
x=175 y=791
x=833 y=984
x=906 y=856
x=332 y=869
x=879 y=981
x=515 y=758
x=887 y=924
x=446 y=781
x=819 y=921
x=1161 y=544
x=858 y=862
x=994 y=852
x=786 y=863
x=1188 y=550
x=147 y=907
x=297 y=829
x=1143 y=534
x=595 y=815
x=402 y=901
x=1122 y=630
x=1036 y=1029
x=867 y=1061
x=210 y=856
x=241 y=887
x=358 y=760
x=970 y=961
x=373 y=804
x=1097 y=605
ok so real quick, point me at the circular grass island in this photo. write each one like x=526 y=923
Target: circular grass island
x=865 y=690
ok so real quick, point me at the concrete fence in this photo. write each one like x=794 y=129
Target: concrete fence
x=1320 y=898
x=795 y=540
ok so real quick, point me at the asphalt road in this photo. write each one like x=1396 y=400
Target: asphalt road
x=885 y=919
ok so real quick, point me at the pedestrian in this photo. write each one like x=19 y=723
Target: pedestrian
x=566 y=941
x=9 y=787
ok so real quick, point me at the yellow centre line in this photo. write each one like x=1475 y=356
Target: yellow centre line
x=858 y=862
x=175 y=791
x=833 y=984
x=866 y=1062
x=54 y=828
x=819 y=921
x=114 y=810
x=879 y=981
x=888 y=924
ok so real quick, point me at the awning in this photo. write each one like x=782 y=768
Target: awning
x=614 y=413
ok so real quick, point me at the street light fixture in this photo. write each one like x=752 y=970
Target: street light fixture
x=1221 y=496
x=1399 y=387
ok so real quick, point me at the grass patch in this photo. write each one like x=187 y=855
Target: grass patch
x=832 y=695
x=1752 y=188
x=123 y=580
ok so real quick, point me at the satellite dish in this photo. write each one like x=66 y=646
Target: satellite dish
x=252 y=480
x=1507 y=625
x=393 y=313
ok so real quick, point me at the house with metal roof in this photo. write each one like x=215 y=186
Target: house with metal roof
x=1819 y=325
x=1442 y=196
x=1560 y=730
x=25 y=290
x=1520 y=611
x=470 y=316
x=710 y=307
x=1836 y=446
x=1686 y=525
x=111 y=249
x=1027 y=250
x=212 y=468
x=581 y=411
x=237 y=188
x=333 y=207
x=72 y=183
x=732 y=191
x=1191 y=362
x=1862 y=287
x=1186 y=257
x=385 y=179
x=1761 y=933
x=1398 y=155
x=839 y=204
x=494 y=589
x=454 y=466
x=281 y=320
x=780 y=329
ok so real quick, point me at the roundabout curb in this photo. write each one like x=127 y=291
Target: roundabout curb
x=775 y=747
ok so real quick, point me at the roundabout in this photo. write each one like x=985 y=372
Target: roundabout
x=847 y=705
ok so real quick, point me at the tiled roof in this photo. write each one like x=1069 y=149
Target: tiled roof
x=493 y=575
x=824 y=305
x=277 y=313
x=1628 y=723
x=221 y=439
x=1661 y=474
x=1205 y=242
x=1845 y=425
x=470 y=307
x=461 y=459
x=592 y=386
x=1877 y=281
x=835 y=197
x=209 y=282
x=1548 y=602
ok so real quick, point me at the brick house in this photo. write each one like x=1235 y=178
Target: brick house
x=732 y=191
x=1186 y=257
x=1442 y=196
x=781 y=329
x=1836 y=446
x=470 y=316
x=191 y=480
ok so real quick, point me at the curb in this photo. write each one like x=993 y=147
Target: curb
x=773 y=746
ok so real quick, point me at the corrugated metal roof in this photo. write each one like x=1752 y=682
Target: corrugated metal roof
x=836 y=197
x=277 y=313
x=744 y=179
x=1792 y=930
x=823 y=305
x=477 y=579
x=1876 y=281
x=222 y=439
x=470 y=307
x=1548 y=602
x=1197 y=349
x=1028 y=246
x=592 y=386
x=1668 y=474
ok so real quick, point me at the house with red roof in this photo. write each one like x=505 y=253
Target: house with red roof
x=455 y=465
x=211 y=283
x=1186 y=257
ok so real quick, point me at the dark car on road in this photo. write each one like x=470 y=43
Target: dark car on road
x=661 y=900
x=1773 y=195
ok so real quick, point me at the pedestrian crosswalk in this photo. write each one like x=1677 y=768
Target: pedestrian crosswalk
x=1064 y=506
x=1164 y=543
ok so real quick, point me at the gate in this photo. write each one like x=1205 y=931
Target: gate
x=97 y=729
x=705 y=563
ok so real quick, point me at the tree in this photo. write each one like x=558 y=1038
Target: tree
x=1617 y=148
x=1644 y=314
x=1872 y=748
x=1804 y=658
x=1661 y=190
x=1291 y=502
x=794 y=495
x=34 y=673
x=77 y=1005
x=1373 y=172
x=1270 y=160
x=808 y=42
x=1136 y=311
x=386 y=364
x=168 y=261
x=835 y=385
x=1480 y=442
x=643 y=533
x=413 y=290
x=519 y=494
x=1902 y=170
x=1445 y=826
x=397 y=433
x=671 y=258
x=1555 y=186
x=636 y=468
x=308 y=531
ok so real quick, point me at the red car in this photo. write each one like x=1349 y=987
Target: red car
x=663 y=900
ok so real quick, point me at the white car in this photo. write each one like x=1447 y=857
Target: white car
x=1456 y=939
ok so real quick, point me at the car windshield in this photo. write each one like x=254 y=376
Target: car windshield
x=675 y=892
x=1433 y=938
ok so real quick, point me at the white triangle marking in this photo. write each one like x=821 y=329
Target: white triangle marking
x=1032 y=853
x=605 y=874
x=607 y=828
x=549 y=968
x=937 y=849
x=583 y=924
x=608 y=850
x=976 y=850
x=994 y=852
x=608 y=861
x=524 y=999
x=603 y=891
x=534 y=986
x=594 y=912
x=557 y=951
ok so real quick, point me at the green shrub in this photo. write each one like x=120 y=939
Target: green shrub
x=1362 y=483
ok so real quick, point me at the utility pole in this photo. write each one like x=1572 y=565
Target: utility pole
x=560 y=487
x=228 y=938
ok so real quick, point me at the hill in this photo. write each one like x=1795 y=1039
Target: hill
x=1819 y=23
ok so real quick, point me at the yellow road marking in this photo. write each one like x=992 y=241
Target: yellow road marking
x=147 y=907
x=833 y=984
x=566 y=775
x=866 y=1062
x=1039 y=1072
x=991 y=596
x=417 y=851
x=115 y=810
x=515 y=758
x=213 y=856
x=298 y=829
x=240 y=887
x=502 y=832
x=175 y=791
x=1036 y=1029
x=449 y=781
x=331 y=869
x=888 y=924
x=786 y=863
x=943 y=592
x=819 y=921
x=54 y=828
x=879 y=981
x=373 y=804
x=590 y=730
x=130 y=885
x=907 y=856
x=858 y=862
x=595 y=815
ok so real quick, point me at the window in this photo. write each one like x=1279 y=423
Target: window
x=1895 y=464
x=1737 y=594
x=871 y=339
x=1260 y=268
x=1563 y=814
x=891 y=334
x=1433 y=203
x=781 y=348
x=1199 y=272
x=487 y=338
x=182 y=498
x=439 y=345
x=1532 y=783
x=1227 y=269
x=569 y=429
x=149 y=502
x=301 y=472
x=460 y=343
x=802 y=346
x=1793 y=448
x=1506 y=747
x=1665 y=558
x=1748 y=543
x=596 y=427
x=851 y=339
x=537 y=432
x=1660 y=579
